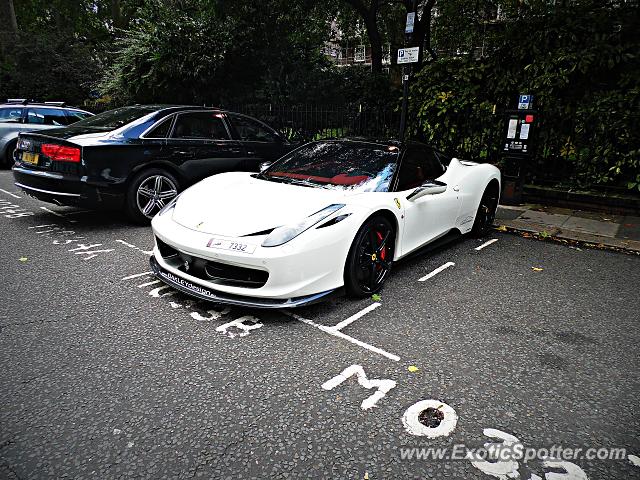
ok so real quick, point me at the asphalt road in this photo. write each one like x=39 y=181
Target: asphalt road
x=106 y=374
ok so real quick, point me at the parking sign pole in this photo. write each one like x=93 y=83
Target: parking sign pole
x=406 y=71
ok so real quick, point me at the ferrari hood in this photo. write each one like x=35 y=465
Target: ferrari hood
x=236 y=204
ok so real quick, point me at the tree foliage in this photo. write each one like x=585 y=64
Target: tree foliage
x=581 y=62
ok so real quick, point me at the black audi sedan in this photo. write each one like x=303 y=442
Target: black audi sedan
x=138 y=158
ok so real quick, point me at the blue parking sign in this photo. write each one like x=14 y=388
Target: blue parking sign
x=524 y=102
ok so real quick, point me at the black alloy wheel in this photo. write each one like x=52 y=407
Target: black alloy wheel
x=370 y=257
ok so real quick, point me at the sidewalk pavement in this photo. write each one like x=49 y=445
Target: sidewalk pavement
x=613 y=231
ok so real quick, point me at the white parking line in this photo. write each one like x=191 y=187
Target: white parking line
x=148 y=283
x=339 y=334
x=9 y=193
x=355 y=317
x=57 y=214
x=486 y=244
x=130 y=245
x=136 y=275
x=436 y=271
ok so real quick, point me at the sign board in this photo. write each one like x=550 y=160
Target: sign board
x=525 y=102
x=408 y=55
x=359 y=54
x=411 y=18
x=518 y=136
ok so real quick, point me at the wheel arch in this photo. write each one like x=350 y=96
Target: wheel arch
x=389 y=215
x=7 y=142
x=168 y=166
x=494 y=183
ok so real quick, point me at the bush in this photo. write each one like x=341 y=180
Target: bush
x=580 y=62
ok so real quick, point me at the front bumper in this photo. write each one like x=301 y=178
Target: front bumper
x=298 y=272
x=205 y=293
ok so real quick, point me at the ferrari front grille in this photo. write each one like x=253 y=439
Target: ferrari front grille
x=210 y=271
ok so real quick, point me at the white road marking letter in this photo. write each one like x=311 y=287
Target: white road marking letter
x=213 y=315
x=43 y=226
x=571 y=471
x=82 y=246
x=486 y=244
x=502 y=469
x=382 y=386
x=155 y=293
x=86 y=250
x=18 y=215
x=412 y=423
x=436 y=271
x=245 y=324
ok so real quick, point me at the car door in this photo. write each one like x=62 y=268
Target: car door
x=261 y=143
x=430 y=216
x=200 y=143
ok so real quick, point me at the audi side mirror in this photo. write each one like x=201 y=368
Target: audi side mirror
x=430 y=187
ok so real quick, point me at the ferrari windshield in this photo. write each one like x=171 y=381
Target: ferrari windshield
x=366 y=167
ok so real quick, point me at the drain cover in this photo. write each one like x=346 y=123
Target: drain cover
x=431 y=417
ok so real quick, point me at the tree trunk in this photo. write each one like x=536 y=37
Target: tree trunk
x=116 y=14
x=8 y=25
x=376 y=43
x=369 y=14
x=422 y=33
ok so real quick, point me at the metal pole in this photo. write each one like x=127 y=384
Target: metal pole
x=406 y=75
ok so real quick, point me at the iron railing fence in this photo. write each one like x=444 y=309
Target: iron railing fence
x=314 y=122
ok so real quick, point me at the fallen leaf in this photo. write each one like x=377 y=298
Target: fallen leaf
x=501 y=228
x=537 y=269
x=23 y=259
x=412 y=368
x=375 y=297
x=544 y=234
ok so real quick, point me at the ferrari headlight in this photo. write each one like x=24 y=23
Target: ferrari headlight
x=169 y=206
x=286 y=233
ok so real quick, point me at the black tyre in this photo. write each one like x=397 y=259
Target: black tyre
x=7 y=161
x=148 y=193
x=486 y=213
x=370 y=257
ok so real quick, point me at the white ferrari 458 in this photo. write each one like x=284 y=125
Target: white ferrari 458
x=326 y=216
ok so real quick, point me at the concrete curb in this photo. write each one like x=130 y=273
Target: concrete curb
x=560 y=234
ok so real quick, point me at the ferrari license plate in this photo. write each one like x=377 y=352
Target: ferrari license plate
x=29 y=157
x=230 y=245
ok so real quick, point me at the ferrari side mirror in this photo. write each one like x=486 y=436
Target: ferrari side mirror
x=430 y=187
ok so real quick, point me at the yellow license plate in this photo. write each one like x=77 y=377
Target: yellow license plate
x=32 y=158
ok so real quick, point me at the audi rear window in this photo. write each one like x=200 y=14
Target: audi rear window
x=115 y=118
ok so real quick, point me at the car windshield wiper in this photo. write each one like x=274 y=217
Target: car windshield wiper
x=293 y=181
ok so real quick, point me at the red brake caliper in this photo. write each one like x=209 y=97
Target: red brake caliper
x=383 y=253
